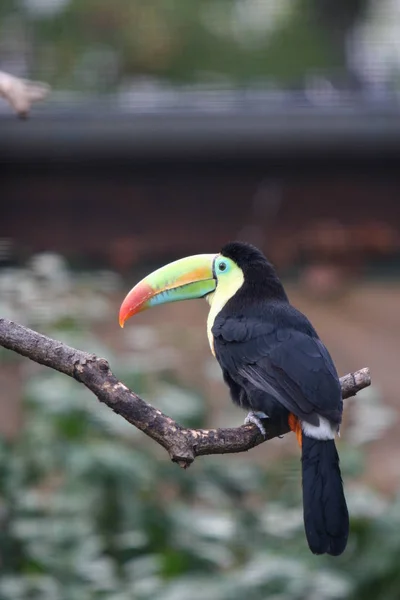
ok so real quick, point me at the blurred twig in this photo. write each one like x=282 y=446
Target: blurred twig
x=21 y=93
x=183 y=445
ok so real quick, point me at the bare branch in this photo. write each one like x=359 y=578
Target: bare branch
x=21 y=93
x=183 y=445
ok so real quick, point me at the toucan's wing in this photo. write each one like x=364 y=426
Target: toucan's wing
x=285 y=359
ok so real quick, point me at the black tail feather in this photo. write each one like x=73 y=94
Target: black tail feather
x=326 y=518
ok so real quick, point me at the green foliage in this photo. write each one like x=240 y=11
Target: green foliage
x=98 y=45
x=90 y=508
x=88 y=513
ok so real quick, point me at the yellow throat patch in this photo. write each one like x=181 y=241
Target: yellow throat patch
x=227 y=286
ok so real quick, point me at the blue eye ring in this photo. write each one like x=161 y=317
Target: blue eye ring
x=222 y=266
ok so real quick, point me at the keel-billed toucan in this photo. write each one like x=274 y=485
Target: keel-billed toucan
x=273 y=362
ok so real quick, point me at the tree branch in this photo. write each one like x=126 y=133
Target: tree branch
x=183 y=445
x=21 y=93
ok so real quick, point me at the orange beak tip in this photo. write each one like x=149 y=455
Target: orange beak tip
x=190 y=277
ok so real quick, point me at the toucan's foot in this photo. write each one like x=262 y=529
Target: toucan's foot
x=256 y=419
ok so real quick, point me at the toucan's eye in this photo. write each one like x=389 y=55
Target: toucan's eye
x=222 y=266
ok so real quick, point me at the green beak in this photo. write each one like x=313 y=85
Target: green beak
x=184 y=279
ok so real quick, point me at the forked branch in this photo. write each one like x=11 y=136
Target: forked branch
x=183 y=445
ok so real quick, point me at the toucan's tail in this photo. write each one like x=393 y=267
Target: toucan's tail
x=326 y=519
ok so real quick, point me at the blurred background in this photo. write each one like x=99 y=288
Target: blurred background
x=174 y=126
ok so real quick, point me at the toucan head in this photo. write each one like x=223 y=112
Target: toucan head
x=198 y=276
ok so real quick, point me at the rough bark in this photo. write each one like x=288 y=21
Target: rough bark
x=182 y=444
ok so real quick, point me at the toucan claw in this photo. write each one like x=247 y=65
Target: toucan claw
x=256 y=419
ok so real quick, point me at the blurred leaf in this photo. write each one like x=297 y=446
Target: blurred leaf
x=90 y=509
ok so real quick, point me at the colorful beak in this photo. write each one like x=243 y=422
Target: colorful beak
x=184 y=279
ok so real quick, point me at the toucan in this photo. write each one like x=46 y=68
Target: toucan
x=273 y=362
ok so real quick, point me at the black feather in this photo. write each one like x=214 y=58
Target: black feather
x=281 y=356
x=273 y=361
x=260 y=278
x=326 y=519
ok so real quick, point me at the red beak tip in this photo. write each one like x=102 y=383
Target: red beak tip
x=121 y=321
